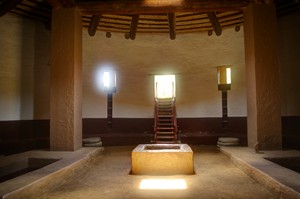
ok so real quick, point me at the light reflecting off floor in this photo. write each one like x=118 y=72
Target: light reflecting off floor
x=163 y=184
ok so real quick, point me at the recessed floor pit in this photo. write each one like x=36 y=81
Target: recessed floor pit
x=292 y=163
x=23 y=166
x=162 y=159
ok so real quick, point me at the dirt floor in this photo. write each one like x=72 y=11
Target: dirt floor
x=108 y=176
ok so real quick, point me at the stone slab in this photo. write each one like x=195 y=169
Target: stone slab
x=32 y=184
x=91 y=140
x=162 y=159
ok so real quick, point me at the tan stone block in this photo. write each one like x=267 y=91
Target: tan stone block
x=162 y=159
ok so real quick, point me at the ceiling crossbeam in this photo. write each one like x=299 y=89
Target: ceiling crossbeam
x=134 y=26
x=61 y=3
x=92 y=7
x=172 y=25
x=93 y=25
x=215 y=23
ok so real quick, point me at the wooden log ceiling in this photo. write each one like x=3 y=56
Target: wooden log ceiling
x=134 y=26
x=133 y=17
x=172 y=25
x=93 y=25
x=215 y=23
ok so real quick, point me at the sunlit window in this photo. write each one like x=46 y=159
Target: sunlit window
x=228 y=75
x=164 y=86
x=109 y=81
x=224 y=78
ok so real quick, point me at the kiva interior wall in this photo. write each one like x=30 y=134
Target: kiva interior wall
x=289 y=48
x=24 y=66
x=25 y=58
x=193 y=58
x=25 y=76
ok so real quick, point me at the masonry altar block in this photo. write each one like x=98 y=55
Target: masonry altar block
x=162 y=159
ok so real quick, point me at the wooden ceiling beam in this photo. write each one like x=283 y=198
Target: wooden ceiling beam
x=94 y=7
x=172 y=25
x=134 y=26
x=93 y=25
x=215 y=23
x=8 y=5
x=61 y=3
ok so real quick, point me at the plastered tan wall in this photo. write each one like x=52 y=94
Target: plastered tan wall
x=193 y=58
x=289 y=48
x=24 y=69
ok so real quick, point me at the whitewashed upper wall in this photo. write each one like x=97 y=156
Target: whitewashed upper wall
x=191 y=57
x=289 y=48
x=24 y=69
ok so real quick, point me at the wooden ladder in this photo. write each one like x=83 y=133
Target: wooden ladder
x=165 y=122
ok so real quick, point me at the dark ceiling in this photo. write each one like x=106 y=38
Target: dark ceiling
x=160 y=20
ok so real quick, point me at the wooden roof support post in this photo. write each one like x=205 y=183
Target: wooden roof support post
x=215 y=23
x=134 y=26
x=172 y=25
x=93 y=25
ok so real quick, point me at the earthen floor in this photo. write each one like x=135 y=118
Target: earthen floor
x=229 y=172
x=107 y=176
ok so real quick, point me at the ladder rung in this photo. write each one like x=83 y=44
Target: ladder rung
x=165 y=133
x=165 y=115
x=165 y=124
x=164 y=137
x=165 y=128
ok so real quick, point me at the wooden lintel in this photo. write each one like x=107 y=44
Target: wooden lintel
x=55 y=3
x=133 y=26
x=61 y=3
x=172 y=25
x=215 y=23
x=93 y=25
x=8 y=5
x=93 y=7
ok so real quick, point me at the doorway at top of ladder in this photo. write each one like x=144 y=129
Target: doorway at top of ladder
x=164 y=86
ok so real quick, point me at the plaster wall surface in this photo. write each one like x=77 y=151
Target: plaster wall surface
x=191 y=57
x=25 y=70
x=24 y=73
x=289 y=48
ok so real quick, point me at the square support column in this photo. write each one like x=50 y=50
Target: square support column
x=262 y=76
x=66 y=80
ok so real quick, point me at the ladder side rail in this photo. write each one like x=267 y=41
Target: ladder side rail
x=155 y=119
x=174 y=119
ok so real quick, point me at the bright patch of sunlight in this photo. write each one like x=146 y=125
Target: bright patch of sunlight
x=163 y=184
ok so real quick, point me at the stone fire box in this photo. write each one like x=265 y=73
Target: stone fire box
x=162 y=159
